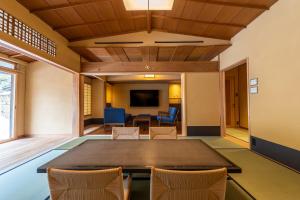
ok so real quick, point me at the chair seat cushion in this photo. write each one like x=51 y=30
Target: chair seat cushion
x=164 y=118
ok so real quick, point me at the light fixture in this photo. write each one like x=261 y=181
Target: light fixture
x=148 y=4
x=149 y=76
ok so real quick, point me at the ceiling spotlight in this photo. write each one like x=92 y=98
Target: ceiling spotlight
x=149 y=76
x=147 y=67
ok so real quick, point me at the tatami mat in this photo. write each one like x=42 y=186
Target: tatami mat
x=263 y=178
x=214 y=142
x=238 y=133
x=24 y=183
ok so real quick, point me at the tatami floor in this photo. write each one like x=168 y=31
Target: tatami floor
x=261 y=177
x=239 y=133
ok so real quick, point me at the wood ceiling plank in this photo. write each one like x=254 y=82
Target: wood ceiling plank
x=63 y=5
x=149 y=53
x=182 y=53
x=226 y=15
x=192 y=10
x=149 y=21
x=220 y=19
x=246 y=16
x=100 y=22
x=165 y=53
x=101 y=53
x=200 y=21
x=206 y=53
x=221 y=32
x=84 y=52
x=234 y=4
x=69 y=16
x=133 y=53
x=98 y=11
x=140 y=24
x=117 y=53
x=177 y=10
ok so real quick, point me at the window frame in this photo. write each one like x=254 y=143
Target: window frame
x=87 y=111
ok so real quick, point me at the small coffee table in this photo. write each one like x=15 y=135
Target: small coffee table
x=142 y=118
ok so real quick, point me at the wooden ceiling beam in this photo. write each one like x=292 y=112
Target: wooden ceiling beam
x=115 y=67
x=149 y=22
x=99 y=22
x=201 y=21
x=65 y=5
x=234 y=4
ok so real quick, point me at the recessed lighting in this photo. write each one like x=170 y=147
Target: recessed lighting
x=149 y=76
x=148 y=4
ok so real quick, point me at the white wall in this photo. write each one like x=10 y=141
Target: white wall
x=202 y=99
x=272 y=44
x=121 y=97
x=48 y=100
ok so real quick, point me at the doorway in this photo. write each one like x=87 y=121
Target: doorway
x=7 y=85
x=236 y=99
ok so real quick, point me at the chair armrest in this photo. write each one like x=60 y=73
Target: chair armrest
x=162 y=113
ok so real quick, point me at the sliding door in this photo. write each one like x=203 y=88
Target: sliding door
x=7 y=93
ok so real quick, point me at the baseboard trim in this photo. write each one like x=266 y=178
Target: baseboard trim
x=282 y=154
x=91 y=121
x=203 y=131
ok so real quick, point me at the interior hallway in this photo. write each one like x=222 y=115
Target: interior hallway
x=238 y=133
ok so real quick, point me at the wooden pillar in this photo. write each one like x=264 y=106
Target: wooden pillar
x=78 y=101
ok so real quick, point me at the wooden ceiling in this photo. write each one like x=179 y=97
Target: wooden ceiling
x=13 y=54
x=138 y=54
x=84 y=19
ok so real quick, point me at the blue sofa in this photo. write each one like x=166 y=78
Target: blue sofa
x=115 y=116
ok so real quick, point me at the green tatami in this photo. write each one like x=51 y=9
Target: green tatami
x=263 y=178
x=24 y=183
x=214 y=142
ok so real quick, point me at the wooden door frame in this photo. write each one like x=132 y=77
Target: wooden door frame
x=78 y=116
x=223 y=94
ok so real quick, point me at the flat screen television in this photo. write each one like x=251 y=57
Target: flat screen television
x=144 y=98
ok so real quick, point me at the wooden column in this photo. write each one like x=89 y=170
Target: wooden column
x=78 y=100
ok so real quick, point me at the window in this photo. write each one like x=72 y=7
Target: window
x=16 y=28
x=7 y=64
x=7 y=93
x=87 y=99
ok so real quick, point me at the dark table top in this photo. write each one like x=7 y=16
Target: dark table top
x=140 y=155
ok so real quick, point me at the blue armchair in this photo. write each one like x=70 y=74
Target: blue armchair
x=169 y=117
x=115 y=116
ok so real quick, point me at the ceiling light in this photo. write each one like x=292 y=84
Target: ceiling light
x=148 y=4
x=149 y=76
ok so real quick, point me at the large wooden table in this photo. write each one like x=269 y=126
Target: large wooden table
x=140 y=155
